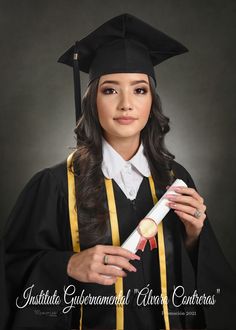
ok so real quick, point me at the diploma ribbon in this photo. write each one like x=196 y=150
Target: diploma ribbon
x=147 y=229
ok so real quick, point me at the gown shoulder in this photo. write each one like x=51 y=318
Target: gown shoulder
x=41 y=208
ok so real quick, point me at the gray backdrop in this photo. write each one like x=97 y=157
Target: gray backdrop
x=197 y=91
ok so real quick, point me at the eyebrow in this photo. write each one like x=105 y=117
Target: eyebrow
x=115 y=82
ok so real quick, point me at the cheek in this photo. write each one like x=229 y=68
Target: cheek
x=145 y=109
x=104 y=112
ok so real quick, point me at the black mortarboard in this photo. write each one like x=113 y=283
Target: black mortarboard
x=122 y=44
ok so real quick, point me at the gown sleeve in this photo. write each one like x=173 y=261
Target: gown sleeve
x=35 y=250
x=214 y=279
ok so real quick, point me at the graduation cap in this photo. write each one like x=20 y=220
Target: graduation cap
x=122 y=44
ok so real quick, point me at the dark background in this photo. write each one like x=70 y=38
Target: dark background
x=197 y=92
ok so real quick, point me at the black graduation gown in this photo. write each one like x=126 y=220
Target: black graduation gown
x=37 y=245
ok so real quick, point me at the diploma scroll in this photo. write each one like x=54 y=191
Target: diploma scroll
x=147 y=228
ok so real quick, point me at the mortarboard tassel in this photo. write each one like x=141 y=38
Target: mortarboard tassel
x=77 y=90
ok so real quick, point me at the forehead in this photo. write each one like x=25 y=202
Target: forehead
x=124 y=77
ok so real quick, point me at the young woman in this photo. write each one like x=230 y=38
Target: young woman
x=64 y=264
x=124 y=111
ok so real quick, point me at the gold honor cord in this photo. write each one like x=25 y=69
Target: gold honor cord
x=116 y=242
x=73 y=215
x=162 y=260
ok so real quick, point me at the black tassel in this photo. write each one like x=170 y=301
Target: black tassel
x=77 y=88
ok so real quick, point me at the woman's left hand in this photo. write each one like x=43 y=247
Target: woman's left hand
x=190 y=208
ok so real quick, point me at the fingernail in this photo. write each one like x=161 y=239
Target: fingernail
x=134 y=270
x=171 y=197
x=172 y=204
x=178 y=188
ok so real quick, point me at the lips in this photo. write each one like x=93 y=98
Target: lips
x=125 y=120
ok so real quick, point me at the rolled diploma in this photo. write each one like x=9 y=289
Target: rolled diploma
x=157 y=214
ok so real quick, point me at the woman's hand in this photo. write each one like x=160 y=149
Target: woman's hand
x=190 y=208
x=92 y=264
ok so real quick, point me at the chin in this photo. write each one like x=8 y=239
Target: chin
x=127 y=135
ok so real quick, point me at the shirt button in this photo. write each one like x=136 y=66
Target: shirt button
x=128 y=168
x=132 y=192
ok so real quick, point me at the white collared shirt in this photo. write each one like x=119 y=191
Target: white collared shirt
x=127 y=174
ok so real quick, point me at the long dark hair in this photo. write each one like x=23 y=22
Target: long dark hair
x=87 y=160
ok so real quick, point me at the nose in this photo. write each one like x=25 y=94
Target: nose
x=125 y=103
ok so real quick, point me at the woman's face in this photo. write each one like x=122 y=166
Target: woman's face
x=124 y=102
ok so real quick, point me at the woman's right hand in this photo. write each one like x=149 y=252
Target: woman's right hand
x=88 y=265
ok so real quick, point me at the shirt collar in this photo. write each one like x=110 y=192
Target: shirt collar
x=113 y=163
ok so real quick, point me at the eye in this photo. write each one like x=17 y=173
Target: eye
x=141 y=90
x=108 y=91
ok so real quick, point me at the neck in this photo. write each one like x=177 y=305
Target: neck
x=126 y=147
